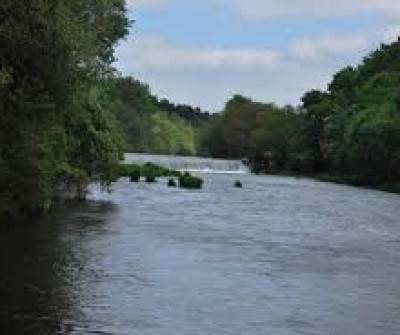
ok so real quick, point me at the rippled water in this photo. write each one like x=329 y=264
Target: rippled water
x=280 y=256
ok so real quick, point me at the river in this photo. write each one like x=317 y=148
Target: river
x=281 y=256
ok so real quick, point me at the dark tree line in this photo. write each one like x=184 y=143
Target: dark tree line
x=186 y=112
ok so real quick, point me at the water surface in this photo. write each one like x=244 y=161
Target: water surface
x=281 y=256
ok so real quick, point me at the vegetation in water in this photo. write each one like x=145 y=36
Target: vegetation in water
x=238 y=184
x=190 y=182
x=152 y=171
x=150 y=178
x=172 y=182
x=147 y=169
x=134 y=173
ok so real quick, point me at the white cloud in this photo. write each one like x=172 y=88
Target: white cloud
x=268 y=9
x=157 y=53
x=211 y=89
x=208 y=77
x=325 y=46
x=390 y=34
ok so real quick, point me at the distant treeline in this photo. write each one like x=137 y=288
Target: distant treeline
x=152 y=125
x=350 y=133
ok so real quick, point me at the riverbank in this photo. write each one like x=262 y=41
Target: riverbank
x=357 y=181
x=393 y=187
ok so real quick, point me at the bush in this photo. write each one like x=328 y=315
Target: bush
x=190 y=182
x=135 y=171
x=171 y=182
x=238 y=184
x=149 y=174
x=134 y=175
x=150 y=178
x=126 y=170
x=134 y=178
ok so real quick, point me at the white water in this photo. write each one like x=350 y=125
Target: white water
x=190 y=164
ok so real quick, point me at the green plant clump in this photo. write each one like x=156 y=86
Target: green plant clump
x=134 y=174
x=171 y=182
x=159 y=171
x=150 y=178
x=190 y=182
x=135 y=171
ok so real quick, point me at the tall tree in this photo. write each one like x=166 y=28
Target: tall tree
x=52 y=54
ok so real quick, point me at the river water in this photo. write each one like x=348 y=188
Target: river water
x=281 y=256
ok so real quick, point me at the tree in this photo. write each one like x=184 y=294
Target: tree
x=52 y=53
x=230 y=136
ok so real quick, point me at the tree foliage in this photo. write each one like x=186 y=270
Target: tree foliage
x=55 y=135
x=152 y=125
x=352 y=130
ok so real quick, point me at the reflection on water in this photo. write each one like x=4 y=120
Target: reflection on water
x=42 y=268
x=280 y=256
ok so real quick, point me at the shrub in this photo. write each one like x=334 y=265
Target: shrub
x=238 y=184
x=190 y=182
x=134 y=175
x=150 y=178
x=135 y=171
x=171 y=182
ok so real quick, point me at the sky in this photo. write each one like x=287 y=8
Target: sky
x=202 y=52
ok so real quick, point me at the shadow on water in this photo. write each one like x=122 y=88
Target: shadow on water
x=41 y=266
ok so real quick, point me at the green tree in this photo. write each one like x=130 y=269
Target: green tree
x=52 y=53
x=230 y=136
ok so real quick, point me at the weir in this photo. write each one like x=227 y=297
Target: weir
x=190 y=164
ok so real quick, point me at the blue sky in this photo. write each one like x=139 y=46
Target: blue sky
x=202 y=52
